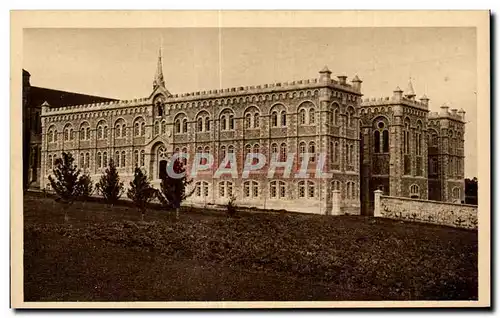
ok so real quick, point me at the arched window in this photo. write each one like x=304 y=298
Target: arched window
x=251 y=189
x=248 y=120
x=157 y=128
x=312 y=116
x=185 y=125
x=350 y=117
x=302 y=149
x=312 y=151
x=117 y=159
x=256 y=120
x=50 y=135
x=274 y=119
x=199 y=124
x=283 y=152
x=336 y=150
x=376 y=141
x=335 y=184
x=137 y=129
x=120 y=128
x=104 y=159
x=302 y=116
x=136 y=158
x=68 y=130
x=302 y=189
x=163 y=127
x=99 y=160
x=227 y=120
x=274 y=149
x=418 y=139
x=123 y=161
x=207 y=123
x=49 y=162
x=87 y=160
x=248 y=150
x=142 y=158
x=335 y=114
x=225 y=189
x=82 y=160
x=222 y=153
x=256 y=148
x=56 y=136
x=277 y=189
x=414 y=191
x=283 y=118
x=310 y=189
x=100 y=131
x=385 y=140
x=406 y=136
x=178 y=126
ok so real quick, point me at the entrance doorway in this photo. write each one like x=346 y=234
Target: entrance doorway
x=162 y=169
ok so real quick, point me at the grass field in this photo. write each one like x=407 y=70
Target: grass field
x=107 y=254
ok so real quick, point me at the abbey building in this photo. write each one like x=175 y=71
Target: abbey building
x=393 y=144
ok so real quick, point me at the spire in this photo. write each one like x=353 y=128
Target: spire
x=158 y=80
x=410 y=93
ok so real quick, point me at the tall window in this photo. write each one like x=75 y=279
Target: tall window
x=306 y=189
x=102 y=131
x=283 y=152
x=277 y=189
x=157 y=128
x=283 y=118
x=68 y=132
x=302 y=116
x=185 y=125
x=225 y=189
x=335 y=114
x=380 y=136
x=251 y=189
x=122 y=164
x=120 y=129
x=312 y=151
x=406 y=137
x=274 y=119
x=99 y=160
x=227 y=120
x=163 y=127
x=104 y=159
x=143 y=155
x=312 y=115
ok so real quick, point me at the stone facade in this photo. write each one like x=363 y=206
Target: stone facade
x=444 y=213
x=320 y=116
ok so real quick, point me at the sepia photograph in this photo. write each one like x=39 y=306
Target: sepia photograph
x=266 y=163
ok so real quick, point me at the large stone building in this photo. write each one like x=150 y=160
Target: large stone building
x=33 y=98
x=385 y=143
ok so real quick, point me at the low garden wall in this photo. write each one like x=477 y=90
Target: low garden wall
x=436 y=212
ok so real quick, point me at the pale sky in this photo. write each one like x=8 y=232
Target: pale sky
x=120 y=63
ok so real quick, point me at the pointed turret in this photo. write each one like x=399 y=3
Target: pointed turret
x=410 y=92
x=158 y=80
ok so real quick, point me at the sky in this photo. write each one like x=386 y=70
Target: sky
x=120 y=63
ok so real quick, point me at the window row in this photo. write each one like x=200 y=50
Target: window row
x=120 y=130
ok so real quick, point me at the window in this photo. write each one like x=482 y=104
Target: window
x=120 y=129
x=312 y=151
x=231 y=122
x=312 y=115
x=248 y=121
x=350 y=117
x=117 y=159
x=50 y=136
x=248 y=150
x=199 y=124
x=283 y=152
x=178 y=126
x=198 y=189
x=376 y=141
x=222 y=153
x=385 y=141
x=55 y=135
x=225 y=189
x=277 y=189
x=418 y=139
x=104 y=159
x=122 y=164
x=227 y=120
x=256 y=120
x=414 y=191
x=49 y=162
x=302 y=149
x=335 y=114
x=274 y=119
x=82 y=160
x=302 y=189
x=143 y=128
x=99 y=160
x=136 y=158
x=102 y=132
x=157 y=128
x=184 y=125
x=251 y=189
x=87 y=160
x=406 y=137
x=283 y=118
x=274 y=149
x=68 y=132
x=163 y=127
x=142 y=158
x=335 y=184
x=205 y=188
x=302 y=116
x=207 y=123
x=456 y=193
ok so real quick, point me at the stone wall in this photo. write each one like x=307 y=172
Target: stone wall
x=436 y=212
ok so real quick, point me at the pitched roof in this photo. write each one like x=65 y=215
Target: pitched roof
x=57 y=98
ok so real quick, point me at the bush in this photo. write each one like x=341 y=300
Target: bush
x=140 y=191
x=109 y=185
x=85 y=185
x=231 y=206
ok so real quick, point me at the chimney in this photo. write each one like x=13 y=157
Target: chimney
x=444 y=110
x=425 y=100
x=342 y=79
x=398 y=93
x=324 y=75
x=454 y=112
x=461 y=113
x=356 y=83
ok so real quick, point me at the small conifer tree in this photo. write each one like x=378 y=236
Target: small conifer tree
x=65 y=182
x=141 y=191
x=109 y=185
x=86 y=186
x=173 y=190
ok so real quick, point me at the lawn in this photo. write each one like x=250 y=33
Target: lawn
x=108 y=254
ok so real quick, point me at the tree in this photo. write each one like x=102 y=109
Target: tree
x=173 y=190
x=86 y=186
x=141 y=191
x=66 y=181
x=109 y=185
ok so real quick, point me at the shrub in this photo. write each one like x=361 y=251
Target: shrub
x=85 y=186
x=140 y=191
x=173 y=190
x=231 y=206
x=109 y=185
x=66 y=181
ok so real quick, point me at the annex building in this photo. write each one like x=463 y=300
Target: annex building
x=393 y=143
